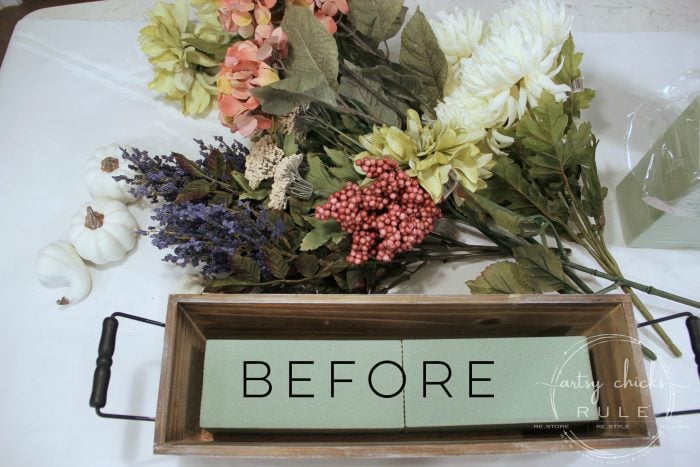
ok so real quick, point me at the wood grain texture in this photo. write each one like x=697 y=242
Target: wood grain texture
x=192 y=319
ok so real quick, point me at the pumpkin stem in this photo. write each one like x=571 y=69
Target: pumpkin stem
x=109 y=164
x=94 y=220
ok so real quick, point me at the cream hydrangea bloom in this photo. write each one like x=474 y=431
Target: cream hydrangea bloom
x=286 y=173
x=458 y=33
x=182 y=72
x=508 y=70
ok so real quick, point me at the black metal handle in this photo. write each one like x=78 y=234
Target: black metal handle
x=103 y=368
x=105 y=351
x=693 y=324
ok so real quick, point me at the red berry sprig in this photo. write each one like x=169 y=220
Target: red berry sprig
x=387 y=217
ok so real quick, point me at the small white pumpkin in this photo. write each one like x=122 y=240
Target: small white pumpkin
x=100 y=171
x=58 y=265
x=103 y=231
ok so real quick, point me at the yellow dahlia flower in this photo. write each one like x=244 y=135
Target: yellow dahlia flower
x=432 y=153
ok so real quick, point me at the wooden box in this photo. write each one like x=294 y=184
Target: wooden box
x=192 y=319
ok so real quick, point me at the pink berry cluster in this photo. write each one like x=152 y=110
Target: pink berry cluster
x=387 y=217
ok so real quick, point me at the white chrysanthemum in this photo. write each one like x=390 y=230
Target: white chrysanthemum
x=508 y=71
x=547 y=18
x=511 y=71
x=458 y=34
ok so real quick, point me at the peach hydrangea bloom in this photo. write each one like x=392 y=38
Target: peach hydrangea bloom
x=244 y=68
x=244 y=17
x=325 y=11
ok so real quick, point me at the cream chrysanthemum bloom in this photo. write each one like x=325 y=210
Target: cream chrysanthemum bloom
x=458 y=34
x=508 y=70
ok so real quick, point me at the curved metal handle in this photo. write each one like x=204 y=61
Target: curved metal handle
x=103 y=368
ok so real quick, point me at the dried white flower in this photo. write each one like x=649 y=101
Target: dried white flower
x=286 y=174
x=260 y=163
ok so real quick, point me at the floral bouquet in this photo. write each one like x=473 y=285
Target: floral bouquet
x=359 y=157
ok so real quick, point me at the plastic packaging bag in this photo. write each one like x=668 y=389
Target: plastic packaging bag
x=662 y=144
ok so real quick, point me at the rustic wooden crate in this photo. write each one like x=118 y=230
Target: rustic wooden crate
x=192 y=319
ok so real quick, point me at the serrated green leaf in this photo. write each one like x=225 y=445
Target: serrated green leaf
x=421 y=56
x=543 y=268
x=187 y=165
x=322 y=233
x=194 y=190
x=542 y=128
x=344 y=167
x=581 y=100
x=572 y=60
x=248 y=192
x=355 y=279
x=376 y=18
x=221 y=197
x=312 y=49
x=276 y=263
x=523 y=196
x=244 y=269
x=502 y=278
x=318 y=176
x=231 y=284
x=307 y=264
x=216 y=51
x=216 y=164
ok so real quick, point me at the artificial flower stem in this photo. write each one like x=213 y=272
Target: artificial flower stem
x=628 y=285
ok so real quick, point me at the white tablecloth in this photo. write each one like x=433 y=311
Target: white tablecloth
x=68 y=86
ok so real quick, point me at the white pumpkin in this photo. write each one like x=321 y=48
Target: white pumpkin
x=100 y=171
x=103 y=231
x=58 y=265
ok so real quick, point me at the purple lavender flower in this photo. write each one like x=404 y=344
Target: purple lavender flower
x=208 y=235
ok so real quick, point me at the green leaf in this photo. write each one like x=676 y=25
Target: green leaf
x=541 y=130
x=312 y=49
x=307 y=264
x=581 y=100
x=188 y=166
x=572 y=60
x=366 y=95
x=221 y=197
x=508 y=220
x=592 y=192
x=248 y=192
x=524 y=196
x=322 y=233
x=276 y=263
x=216 y=51
x=281 y=97
x=502 y=278
x=318 y=176
x=376 y=18
x=421 y=56
x=543 y=267
x=216 y=164
x=231 y=284
x=354 y=278
x=344 y=168
x=194 y=190
x=244 y=269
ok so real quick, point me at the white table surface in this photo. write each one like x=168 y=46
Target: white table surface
x=73 y=80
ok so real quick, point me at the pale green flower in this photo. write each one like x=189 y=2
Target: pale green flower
x=185 y=56
x=432 y=153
